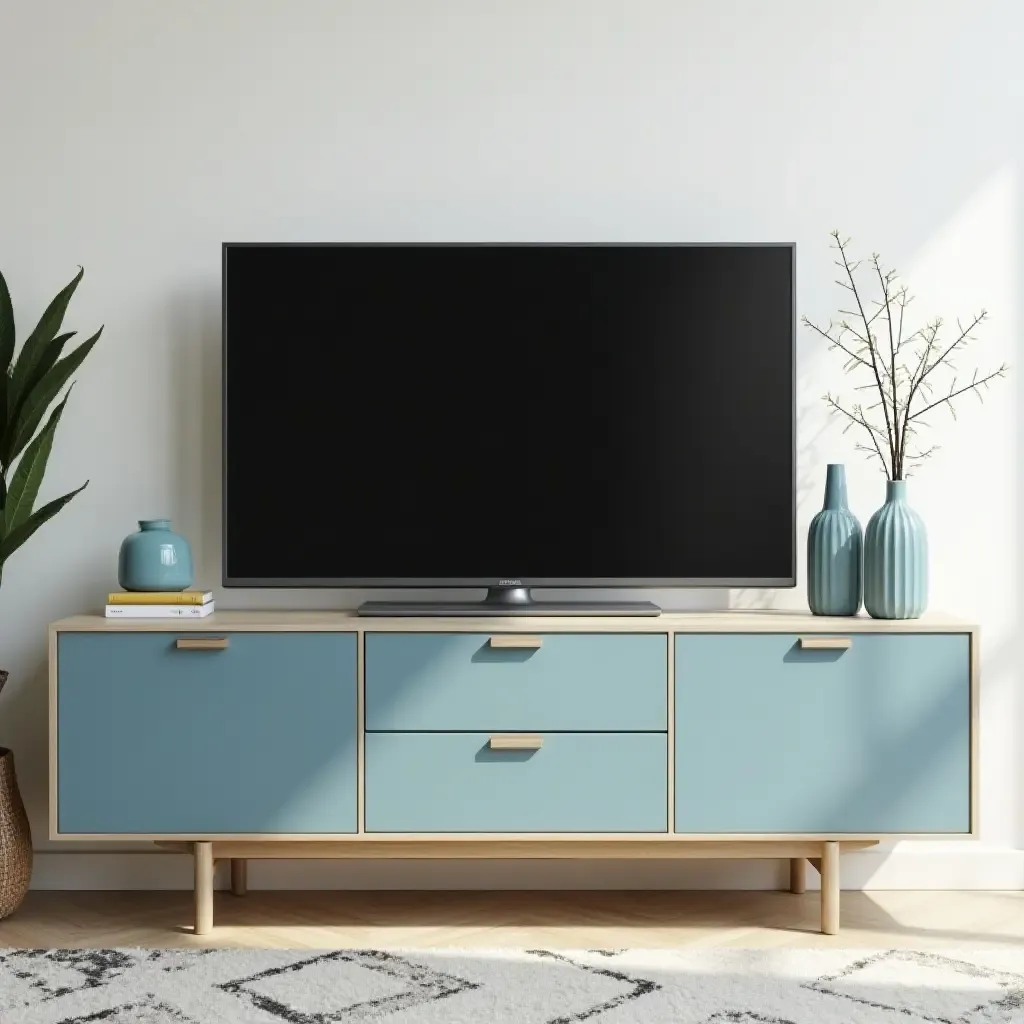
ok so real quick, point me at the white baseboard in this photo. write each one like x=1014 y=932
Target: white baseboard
x=964 y=867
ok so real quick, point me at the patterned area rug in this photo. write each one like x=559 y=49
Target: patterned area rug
x=132 y=986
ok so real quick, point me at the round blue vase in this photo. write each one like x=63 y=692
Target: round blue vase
x=896 y=558
x=834 y=551
x=154 y=558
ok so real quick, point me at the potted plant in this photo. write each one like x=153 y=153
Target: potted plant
x=30 y=383
x=911 y=376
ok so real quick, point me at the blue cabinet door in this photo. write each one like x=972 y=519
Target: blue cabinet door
x=773 y=738
x=257 y=738
x=576 y=782
x=583 y=682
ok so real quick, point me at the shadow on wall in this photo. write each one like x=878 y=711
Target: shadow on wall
x=816 y=446
x=27 y=704
x=196 y=323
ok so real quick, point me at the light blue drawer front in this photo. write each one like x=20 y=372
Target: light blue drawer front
x=576 y=782
x=457 y=681
x=774 y=738
x=260 y=737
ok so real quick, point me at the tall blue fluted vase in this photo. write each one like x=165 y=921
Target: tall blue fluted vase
x=834 y=551
x=896 y=558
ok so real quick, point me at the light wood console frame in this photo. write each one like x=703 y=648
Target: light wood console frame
x=822 y=851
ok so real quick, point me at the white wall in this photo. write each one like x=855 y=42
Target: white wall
x=135 y=137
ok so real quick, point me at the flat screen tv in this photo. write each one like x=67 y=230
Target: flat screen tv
x=508 y=416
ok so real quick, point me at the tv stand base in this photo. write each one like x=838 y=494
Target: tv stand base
x=506 y=601
x=480 y=609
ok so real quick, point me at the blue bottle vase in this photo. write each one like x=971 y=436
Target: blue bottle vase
x=834 y=551
x=896 y=558
x=155 y=558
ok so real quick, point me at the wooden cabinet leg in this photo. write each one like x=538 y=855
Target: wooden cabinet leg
x=830 y=888
x=798 y=875
x=239 y=876
x=203 y=855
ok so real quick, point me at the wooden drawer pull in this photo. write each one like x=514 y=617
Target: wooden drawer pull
x=826 y=643
x=516 y=640
x=516 y=742
x=201 y=643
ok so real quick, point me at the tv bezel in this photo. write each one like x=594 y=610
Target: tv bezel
x=444 y=582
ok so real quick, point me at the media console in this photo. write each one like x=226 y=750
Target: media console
x=323 y=734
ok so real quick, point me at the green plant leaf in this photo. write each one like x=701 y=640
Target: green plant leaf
x=24 y=486
x=5 y=383
x=21 y=533
x=50 y=355
x=6 y=327
x=23 y=423
x=45 y=331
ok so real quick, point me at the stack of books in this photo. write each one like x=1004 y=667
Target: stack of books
x=139 y=604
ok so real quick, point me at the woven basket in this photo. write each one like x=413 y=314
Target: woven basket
x=15 y=839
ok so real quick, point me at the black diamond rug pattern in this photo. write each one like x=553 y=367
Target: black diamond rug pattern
x=439 y=986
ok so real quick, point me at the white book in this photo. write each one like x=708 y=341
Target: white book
x=159 y=611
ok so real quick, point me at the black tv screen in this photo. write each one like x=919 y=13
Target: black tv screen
x=461 y=415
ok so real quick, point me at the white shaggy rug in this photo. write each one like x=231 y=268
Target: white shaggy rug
x=133 y=986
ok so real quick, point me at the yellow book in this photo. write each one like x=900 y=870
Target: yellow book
x=159 y=597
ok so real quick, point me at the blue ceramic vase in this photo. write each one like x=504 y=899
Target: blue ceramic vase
x=834 y=551
x=154 y=558
x=896 y=558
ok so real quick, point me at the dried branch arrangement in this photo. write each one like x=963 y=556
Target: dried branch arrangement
x=908 y=375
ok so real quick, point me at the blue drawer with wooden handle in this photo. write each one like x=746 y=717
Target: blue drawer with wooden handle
x=613 y=682
x=500 y=782
x=839 y=734
x=166 y=733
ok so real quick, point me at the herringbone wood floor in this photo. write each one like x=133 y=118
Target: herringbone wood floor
x=923 y=920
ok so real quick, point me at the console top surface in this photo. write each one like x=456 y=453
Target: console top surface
x=726 y=621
